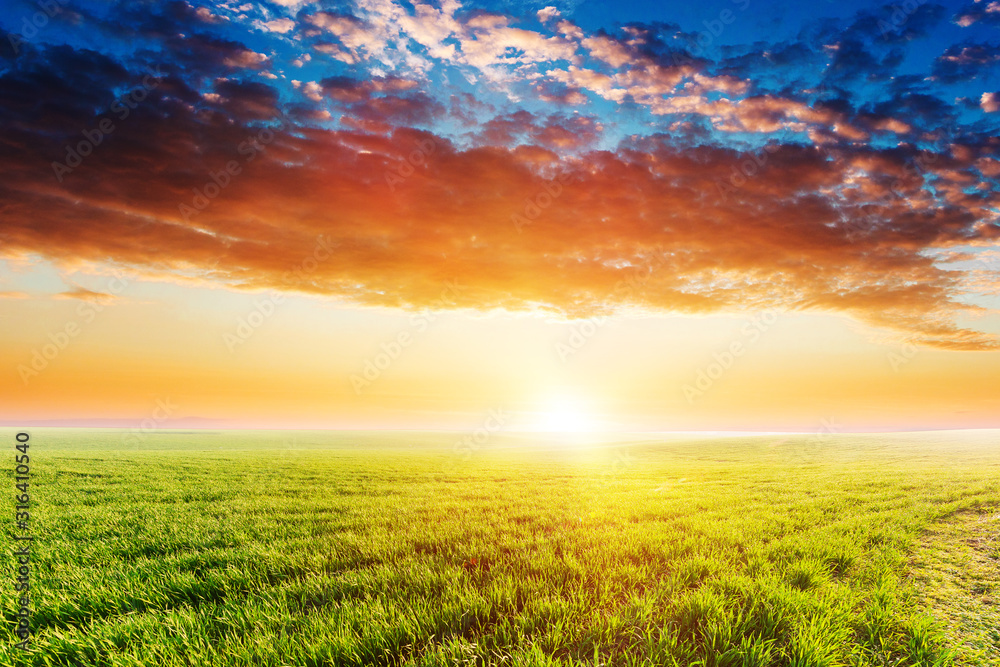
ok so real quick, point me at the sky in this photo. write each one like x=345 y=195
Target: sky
x=582 y=216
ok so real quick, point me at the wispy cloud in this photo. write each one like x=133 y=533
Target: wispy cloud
x=84 y=294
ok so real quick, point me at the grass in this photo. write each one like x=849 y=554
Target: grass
x=251 y=548
x=957 y=571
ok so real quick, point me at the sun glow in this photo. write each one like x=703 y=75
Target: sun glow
x=564 y=414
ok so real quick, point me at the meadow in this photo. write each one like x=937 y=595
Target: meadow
x=311 y=548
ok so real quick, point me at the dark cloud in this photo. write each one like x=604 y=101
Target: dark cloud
x=175 y=31
x=665 y=42
x=926 y=111
x=247 y=101
x=977 y=13
x=553 y=132
x=966 y=61
x=895 y=22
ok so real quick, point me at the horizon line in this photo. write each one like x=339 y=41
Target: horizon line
x=722 y=432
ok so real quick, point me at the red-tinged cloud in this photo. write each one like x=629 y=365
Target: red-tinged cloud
x=390 y=219
x=990 y=102
x=554 y=132
x=571 y=172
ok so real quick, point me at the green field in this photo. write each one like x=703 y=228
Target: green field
x=307 y=548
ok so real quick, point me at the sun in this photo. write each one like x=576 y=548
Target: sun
x=565 y=414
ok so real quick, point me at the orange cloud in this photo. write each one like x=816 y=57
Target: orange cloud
x=84 y=294
x=401 y=213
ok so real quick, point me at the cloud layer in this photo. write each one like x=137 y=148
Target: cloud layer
x=375 y=154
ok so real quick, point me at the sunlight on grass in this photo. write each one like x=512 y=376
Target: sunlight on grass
x=231 y=548
x=957 y=570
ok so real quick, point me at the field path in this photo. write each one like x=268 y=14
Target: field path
x=957 y=572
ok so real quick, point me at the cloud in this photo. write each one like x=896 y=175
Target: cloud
x=380 y=103
x=206 y=15
x=554 y=133
x=246 y=100
x=554 y=93
x=809 y=175
x=246 y=58
x=177 y=32
x=608 y=50
x=491 y=43
x=84 y=294
x=786 y=238
x=547 y=14
x=385 y=32
x=280 y=25
x=964 y=62
x=980 y=11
